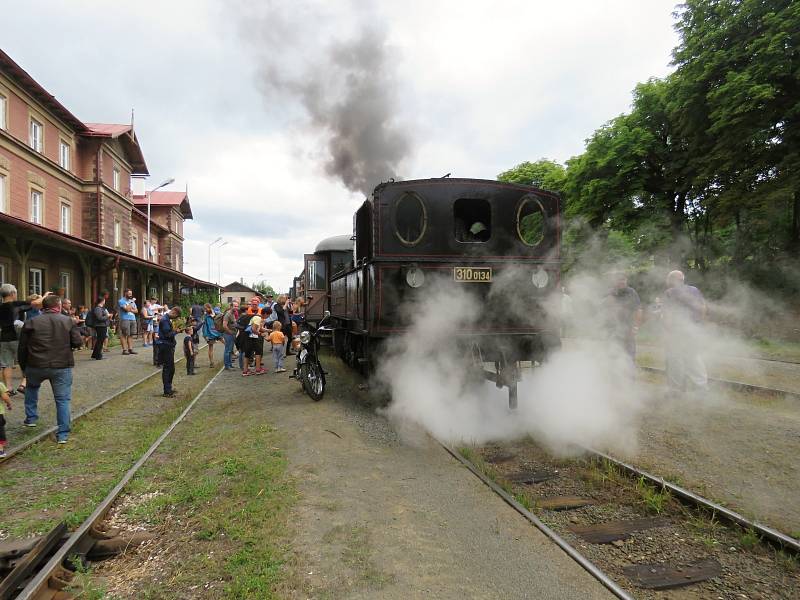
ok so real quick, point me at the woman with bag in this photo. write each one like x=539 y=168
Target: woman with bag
x=210 y=332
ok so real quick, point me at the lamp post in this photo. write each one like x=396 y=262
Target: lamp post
x=149 y=245
x=219 y=262
x=216 y=241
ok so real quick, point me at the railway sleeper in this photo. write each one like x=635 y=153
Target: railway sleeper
x=20 y=559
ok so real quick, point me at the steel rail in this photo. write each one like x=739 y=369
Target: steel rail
x=737 y=385
x=773 y=535
x=39 y=582
x=584 y=562
x=81 y=413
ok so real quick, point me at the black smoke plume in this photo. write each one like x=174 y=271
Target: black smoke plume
x=347 y=88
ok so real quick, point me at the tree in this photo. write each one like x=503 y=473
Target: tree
x=263 y=288
x=544 y=173
x=738 y=74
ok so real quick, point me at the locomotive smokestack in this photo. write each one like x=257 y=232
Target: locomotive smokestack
x=346 y=88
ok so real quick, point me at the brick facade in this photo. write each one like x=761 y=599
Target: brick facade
x=77 y=198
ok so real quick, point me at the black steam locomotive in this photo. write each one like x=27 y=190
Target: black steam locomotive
x=498 y=242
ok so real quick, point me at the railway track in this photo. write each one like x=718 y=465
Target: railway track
x=10 y=452
x=607 y=533
x=47 y=571
x=737 y=385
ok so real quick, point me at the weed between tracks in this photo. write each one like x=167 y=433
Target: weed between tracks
x=48 y=484
x=217 y=496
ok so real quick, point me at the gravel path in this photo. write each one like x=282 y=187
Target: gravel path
x=93 y=381
x=755 y=371
x=379 y=518
x=738 y=449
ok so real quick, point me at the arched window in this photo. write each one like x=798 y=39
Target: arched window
x=531 y=221
x=410 y=219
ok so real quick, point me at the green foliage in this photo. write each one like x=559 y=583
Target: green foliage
x=200 y=298
x=543 y=173
x=703 y=173
x=262 y=287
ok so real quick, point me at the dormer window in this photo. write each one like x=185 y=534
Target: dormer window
x=36 y=135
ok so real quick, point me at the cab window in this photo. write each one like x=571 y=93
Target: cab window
x=531 y=221
x=473 y=220
x=410 y=219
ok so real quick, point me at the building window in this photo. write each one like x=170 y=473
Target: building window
x=3 y=112
x=66 y=218
x=241 y=300
x=3 y=185
x=64 y=282
x=116 y=179
x=2 y=273
x=63 y=154
x=144 y=248
x=35 y=279
x=152 y=252
x=36 y=135
x=117 y=234
x=36 y=207
x=134 y=244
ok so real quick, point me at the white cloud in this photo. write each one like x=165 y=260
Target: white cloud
x=482 y=86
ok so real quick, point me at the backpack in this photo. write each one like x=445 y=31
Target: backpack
x=218 y=322
x=90 y=319
x=243 y=321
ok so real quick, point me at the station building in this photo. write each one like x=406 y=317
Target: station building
x=70 y=220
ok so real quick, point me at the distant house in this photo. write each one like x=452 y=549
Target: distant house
x=237 y=291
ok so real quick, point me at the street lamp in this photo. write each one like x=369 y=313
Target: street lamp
x=149 y=245
x=219 y=261
x=216 y=241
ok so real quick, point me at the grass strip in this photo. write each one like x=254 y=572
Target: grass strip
x=49 y=483
x=218 y=496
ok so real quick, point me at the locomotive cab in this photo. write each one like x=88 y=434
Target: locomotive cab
x=495 y=243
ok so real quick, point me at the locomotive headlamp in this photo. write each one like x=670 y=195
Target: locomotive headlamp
x=415 y=277
x=305 y=337
x=540 y=278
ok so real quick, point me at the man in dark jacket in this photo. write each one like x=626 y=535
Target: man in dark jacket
x=166 y=350
x=45 y=354
x=11 y=311
x=100 y=324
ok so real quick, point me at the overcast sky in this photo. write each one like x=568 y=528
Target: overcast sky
x=222 y=94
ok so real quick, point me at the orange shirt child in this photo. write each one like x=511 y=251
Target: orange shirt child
x=277 y=338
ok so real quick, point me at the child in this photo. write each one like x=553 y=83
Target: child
x=6 y=402
x=189 y=350
x=278 y=346
x=255 y=346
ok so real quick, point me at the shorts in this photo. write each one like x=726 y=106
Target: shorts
x=148 y=325
x=8 y=353
x=255 y=346
x=210 y=341
x=127 y=328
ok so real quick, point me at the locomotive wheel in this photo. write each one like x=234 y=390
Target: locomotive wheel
x=313 y=380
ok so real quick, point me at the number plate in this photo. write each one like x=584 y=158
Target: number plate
x=472 y=274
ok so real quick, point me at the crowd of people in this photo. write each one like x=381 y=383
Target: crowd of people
x=41 y=334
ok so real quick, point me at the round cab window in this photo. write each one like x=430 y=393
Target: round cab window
x=531 y=222
x=410 y=219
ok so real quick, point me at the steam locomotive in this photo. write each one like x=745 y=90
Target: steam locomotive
x=497 y=242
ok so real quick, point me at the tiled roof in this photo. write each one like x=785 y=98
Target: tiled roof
x=106 y=129
x=161 y=198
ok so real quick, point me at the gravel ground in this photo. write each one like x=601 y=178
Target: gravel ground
x=384 y=518
x=92 y=382
x=755 y=371
x=681 y=538
x=739 y=449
